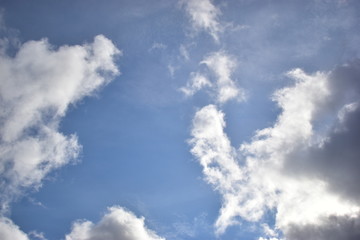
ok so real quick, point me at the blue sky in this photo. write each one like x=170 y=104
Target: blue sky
x=183 y=119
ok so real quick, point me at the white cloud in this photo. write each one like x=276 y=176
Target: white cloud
x=269 y=231
x=184 y=52
x=261 y=238
x=172 y=69
x=37 y=235
x=157 y=45
x=10 y=231
x=38 y=85
x=305 y=166
x=196 y=83
x=117 y=224
x=221 y=66
x=204 y=16
x=213 y=149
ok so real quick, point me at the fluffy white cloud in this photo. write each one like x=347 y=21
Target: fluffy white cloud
x=204 y=16
x=306 y=166
x=221 y=66
x=38 y=85
x=117 y=224
x=10 y=231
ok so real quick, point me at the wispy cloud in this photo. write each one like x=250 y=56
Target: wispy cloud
x=204 y=16
x=184 y=52
x=37 y=235
x=196 y=83
x=116 y=224
x=221 y=66
x=187 y=228
x=293 y=166
x=157 y=45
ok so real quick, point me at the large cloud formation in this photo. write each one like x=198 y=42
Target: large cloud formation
x=38 y=85
x=305 y=167
x=117 y=224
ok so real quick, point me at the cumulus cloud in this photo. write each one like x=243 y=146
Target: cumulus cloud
x=38 y=85
x=336 y=158
x=10 y=231
x=117 y=224
x=203 y=16
x=305 y=167
x=221 y=66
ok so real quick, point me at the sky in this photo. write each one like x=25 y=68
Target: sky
x=179 y=119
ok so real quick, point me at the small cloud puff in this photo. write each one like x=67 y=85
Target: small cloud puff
x=117 y=224
x=221 y=66
x=196 y=83
x=204 y=16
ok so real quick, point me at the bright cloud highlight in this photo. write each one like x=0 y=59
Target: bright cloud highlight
x=288 y=167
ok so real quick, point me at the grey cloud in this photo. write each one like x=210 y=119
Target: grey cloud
x=305 y=166
x=332 y=228
x=336 y=159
